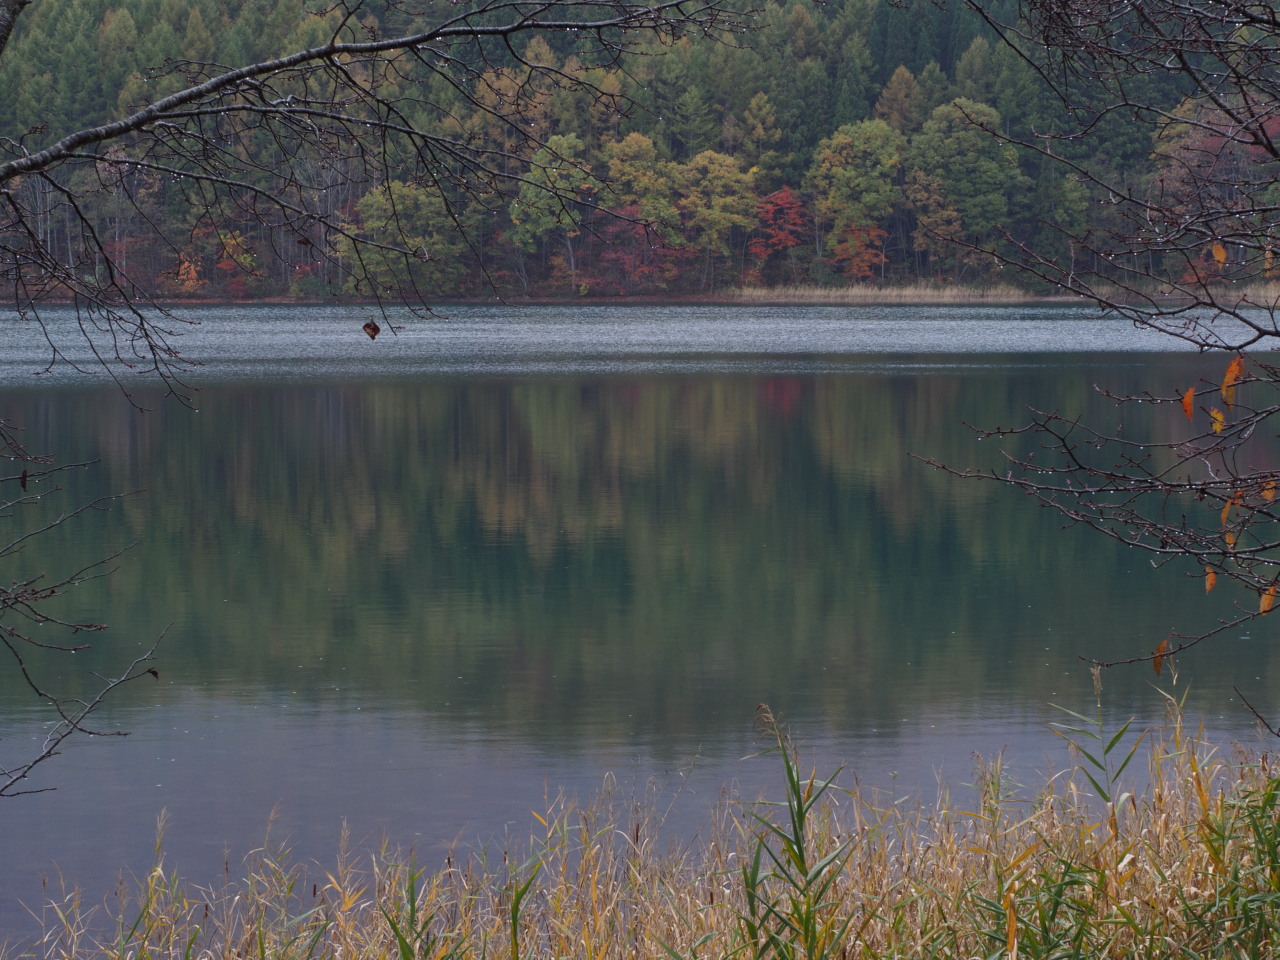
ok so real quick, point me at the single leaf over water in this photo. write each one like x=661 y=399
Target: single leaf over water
x=1188 y=401
x=1235 y=370
x=1236 y=499
x=1268 y=599
x=1157 y=662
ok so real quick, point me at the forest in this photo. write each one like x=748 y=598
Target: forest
x=844 y=142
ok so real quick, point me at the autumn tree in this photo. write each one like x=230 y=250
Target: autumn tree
x=781 y=227
x=717 y=205
x=902 y=104
x=854 y=184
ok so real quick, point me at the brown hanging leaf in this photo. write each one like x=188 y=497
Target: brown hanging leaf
x=1269 y=490
x=1218 y=419
x=1230 y=539
x=1237 y=498
x=1188 y=399
x=1210 y=579
x=1219 y=254
x=1157 y=661
x=372 y=329
x=1235 y=370
x=1268 y=599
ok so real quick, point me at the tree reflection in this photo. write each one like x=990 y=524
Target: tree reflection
x=652 y=556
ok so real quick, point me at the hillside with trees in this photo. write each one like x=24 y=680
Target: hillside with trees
x=831 y=143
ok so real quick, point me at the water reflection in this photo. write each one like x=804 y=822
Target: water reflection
x=416 y=605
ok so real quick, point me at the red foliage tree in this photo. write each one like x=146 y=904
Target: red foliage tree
x=634 y=259
x=783 y=225
x=861 y=252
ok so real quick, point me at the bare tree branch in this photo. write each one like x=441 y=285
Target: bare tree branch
x=1186 y=247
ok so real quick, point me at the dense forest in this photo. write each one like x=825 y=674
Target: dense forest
x=837 y=142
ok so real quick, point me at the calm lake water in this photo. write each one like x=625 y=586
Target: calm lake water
x=418 y=585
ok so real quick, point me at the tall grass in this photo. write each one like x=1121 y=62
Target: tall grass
x=1189 y=866
x=920 y=293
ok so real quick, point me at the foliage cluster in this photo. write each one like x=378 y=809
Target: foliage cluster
x=836 y=143
x=1188 y=867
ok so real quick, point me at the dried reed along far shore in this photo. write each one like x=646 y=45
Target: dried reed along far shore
x=913 y=294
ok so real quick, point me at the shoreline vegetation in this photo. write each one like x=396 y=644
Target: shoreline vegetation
x=909 y=294
x=919 y=293
x=1187 y=865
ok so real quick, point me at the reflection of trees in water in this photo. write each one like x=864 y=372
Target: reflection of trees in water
x=657 y=553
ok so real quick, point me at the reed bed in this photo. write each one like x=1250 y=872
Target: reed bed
x=1189 y=867
x=914 y=294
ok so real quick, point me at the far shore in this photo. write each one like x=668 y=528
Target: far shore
x=916 y=294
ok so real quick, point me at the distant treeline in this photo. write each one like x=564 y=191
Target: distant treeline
x=836 y=143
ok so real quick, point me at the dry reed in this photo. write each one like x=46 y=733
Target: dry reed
x=913 y=294
x=1189 y=868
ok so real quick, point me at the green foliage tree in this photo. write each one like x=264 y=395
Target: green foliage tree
x=638 y=175
x=975 y=172
x=407 y=243
x=557 y=196
x=854 y=184
x=760 y=136
x=717 y=204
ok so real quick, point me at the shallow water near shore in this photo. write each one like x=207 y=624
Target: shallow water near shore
x=417 y=585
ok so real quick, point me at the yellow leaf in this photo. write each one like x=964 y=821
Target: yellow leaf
x=1236 y=499
x=1210 y=579
x=1158 y=661
x=1269 y=490
x=1219 y=254
x=1217 y=418
x=1268 y=599
x=1235 y=370
x=1230 y=539
x=1010 y=924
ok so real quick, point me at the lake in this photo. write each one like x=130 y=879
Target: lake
x=418 y=585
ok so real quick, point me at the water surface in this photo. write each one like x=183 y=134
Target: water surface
x=417 y=585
